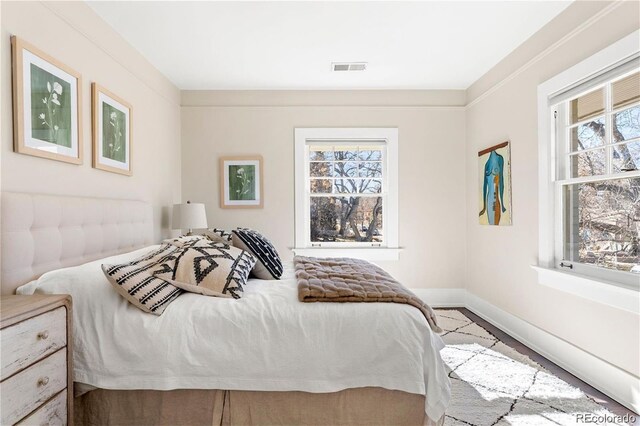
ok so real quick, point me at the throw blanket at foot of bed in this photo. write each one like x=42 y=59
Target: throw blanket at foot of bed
x=353 y=280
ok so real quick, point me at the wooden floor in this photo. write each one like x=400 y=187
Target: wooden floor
x=602 y=399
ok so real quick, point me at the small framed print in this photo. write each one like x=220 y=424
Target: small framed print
x=112 y=136
x=47 y=113
x=241 y=182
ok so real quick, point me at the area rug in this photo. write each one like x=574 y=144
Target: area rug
x=493 y=384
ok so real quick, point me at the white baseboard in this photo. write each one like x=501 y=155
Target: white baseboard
x=618 y=384
x=442 y=297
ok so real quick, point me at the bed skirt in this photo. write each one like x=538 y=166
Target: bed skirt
x=360 y=406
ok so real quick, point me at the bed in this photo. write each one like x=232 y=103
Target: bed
x=262 y=359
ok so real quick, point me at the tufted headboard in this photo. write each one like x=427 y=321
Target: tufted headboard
x=40 y=233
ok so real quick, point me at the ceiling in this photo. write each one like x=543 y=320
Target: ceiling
x=291 y=45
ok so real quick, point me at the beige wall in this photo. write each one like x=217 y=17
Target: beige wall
x=503 y=105
x=2 y=96
x=75 y=35
x=431 y=140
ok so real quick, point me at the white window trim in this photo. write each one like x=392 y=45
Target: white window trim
x=589 y=288
x=548 y=205
x=390 y=250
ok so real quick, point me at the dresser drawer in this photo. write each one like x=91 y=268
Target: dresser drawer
x=28 y=341
x=53 y=413
x=27 y=390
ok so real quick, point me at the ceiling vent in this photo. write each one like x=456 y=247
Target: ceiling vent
x=348 y=66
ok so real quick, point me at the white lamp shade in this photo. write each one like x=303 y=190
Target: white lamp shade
x=189 y=216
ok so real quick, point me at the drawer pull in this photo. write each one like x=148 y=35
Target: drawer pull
x=44 y=335
x=43 y=381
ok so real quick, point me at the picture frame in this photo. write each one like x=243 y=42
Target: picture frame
x=47 y=105
x=112 y=133
x=241 y=182
x=494 y=185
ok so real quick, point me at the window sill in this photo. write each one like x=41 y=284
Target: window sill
x=374 y=254
x=604 y=292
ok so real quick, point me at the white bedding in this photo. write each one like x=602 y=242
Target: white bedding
x=266 y=341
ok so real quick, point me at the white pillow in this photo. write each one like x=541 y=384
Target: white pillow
x=218 y=235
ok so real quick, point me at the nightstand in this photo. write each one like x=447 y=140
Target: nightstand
x=36 y=384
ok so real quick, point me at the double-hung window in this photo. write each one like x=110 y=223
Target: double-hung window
x=346 y=191
x=594 y=174
x=598 y=169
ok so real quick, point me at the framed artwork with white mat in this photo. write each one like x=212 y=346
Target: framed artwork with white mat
x=112 y=135
x=47 y=105
x=241 y=182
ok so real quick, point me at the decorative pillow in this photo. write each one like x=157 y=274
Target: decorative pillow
x=136 y=282
x=183 y=240
x=212 y=269
x=218 y=235
x=269 y=265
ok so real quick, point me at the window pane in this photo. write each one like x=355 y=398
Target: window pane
x=358 y=186
x=346 y=154
x=626 y=157
x=588 y=163
x=346 y=186
x=320 y=186
x=320 y=153
x=588 y=135
x=370 y=169
x=626 y=124
x=626 y=91
x=345 y=169
x=320 y=169
x=346 y=219
x=366 y=154
x=586 y=106
x=602 y=223
x=372 y=186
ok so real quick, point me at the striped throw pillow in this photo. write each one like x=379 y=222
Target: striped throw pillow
x=269 y=265
x=136 y=282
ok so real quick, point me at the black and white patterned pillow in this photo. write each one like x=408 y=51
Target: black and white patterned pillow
x=218 y=235
x=135 y=281
x=208 y=268
x=195 y=265
x=269 y=265
x=185 y=240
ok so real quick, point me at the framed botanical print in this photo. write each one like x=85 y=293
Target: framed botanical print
x=47 y=113
x=241 y=182
x=112 y=136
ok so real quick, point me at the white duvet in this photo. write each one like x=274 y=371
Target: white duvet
x=266 y=341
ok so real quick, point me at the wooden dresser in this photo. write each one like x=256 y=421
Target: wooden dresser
x=35 y=360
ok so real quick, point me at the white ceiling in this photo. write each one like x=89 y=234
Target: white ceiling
x=290 y=45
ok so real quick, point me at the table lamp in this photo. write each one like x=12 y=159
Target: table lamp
x=189 y=216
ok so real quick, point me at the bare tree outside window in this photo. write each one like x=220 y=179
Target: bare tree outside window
x=346 y=193
x=602 y=217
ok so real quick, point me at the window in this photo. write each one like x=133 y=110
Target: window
x=598 y=142
x=346 y=190
x=590 y=187
x=346 y=193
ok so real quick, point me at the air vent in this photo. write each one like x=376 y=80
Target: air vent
x=349 y=66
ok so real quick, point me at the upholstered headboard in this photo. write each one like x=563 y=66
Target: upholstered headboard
x=41 y=233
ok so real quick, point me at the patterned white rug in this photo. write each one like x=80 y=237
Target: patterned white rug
x=493 y=384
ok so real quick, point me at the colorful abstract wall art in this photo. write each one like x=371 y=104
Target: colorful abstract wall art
x=494 y=178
